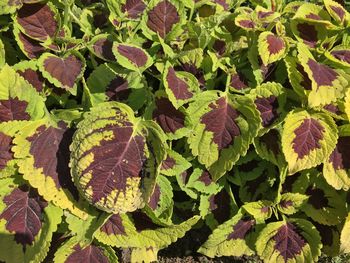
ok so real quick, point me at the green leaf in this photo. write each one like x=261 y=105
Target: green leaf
x=233 y=238
x=174 y=164
x=260 y=210
x=294 y=240
x=325 y=205
x=338 y=12
x=223 y=127
x=336 y=168
x=2 y=54
x=120 y=231
x=110 y=83
x=18 y=99
x=307 y=139
x=290 y=203
x=345 y=236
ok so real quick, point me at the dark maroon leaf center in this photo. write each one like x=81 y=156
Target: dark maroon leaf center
x=322 y=74
x=306 y=82
x=118 y=89
x=221 y=121
x=33 y=77
x=220 y=206
x=169 y=118
x=317 y=197
x=339 y=11
x=205 y=178
x=115 y=161
x=155 y=198
x=103 y=48
x=142 y=221
x=238 y=81
x=343 y=55
x=32 y=48
x=162 y=18
x=275 y=44
x=23 y=213
x=38 y=21
x=308 y=33
x=288 y=241
x=133 y=8
x=340 y=157
x=247 y=23
x=65 y=70
x=13 y=109
x=168 y=163
x=134 y=54
x=268 y=109
x=5 y=150
x=114 y=226
x=90 y=254
x=241 y=229
x=308 y=136
x=178 y=86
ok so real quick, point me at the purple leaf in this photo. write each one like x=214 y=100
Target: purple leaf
x=221 y=121
x=162 y=18
x=308 y=137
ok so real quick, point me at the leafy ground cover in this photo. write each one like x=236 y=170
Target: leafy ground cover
x=188 y=131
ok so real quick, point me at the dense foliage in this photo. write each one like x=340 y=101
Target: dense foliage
x=127 y=123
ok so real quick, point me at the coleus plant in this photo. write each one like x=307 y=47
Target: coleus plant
x=126 y=124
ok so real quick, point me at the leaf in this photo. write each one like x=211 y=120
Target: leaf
x=2 y=54
x=133 y=8
x=233 y=238
x=221 y=130
x=260 y=210
x=336 y=168
x=38 y=21
x=30 y=47
x=27 y=223
x=290 y=203
x=340 y=55
x=170 y=119
x=111 y=152
x=125 y=233
x=269 y=99
x=345 y=236
x=180 y=86
x=295 y=240
x=64 y=71
x=102 y=47
x=307 y=139
x=29 y=71
x=324 y=205
x=43 y=153
x=275 y=46
x=174 y=164
x=162 y=16
x=268 y=147
x=18 y=99
x=132 y=57
x=72 y=251
x=327 y=83
x=337 y=11
x=109 y=83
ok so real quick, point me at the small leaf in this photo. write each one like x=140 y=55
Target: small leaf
x=275 y=46
x=64 y=71
x=290 y=203
x=132 y=57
